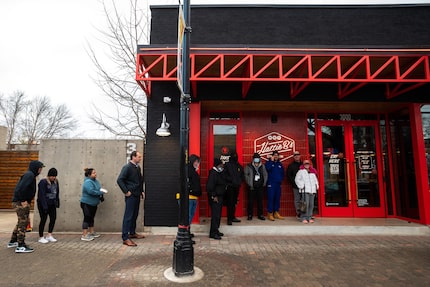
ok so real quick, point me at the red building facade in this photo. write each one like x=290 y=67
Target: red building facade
x=350 y=98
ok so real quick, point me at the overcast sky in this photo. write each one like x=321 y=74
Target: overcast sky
x=42 y=48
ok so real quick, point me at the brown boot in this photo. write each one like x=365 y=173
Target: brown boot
x=270 y=215
x=277 y=215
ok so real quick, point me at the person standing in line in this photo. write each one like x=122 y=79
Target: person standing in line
x=130 y=181
x=48 y=200
x=215 y=187
x=234 y=178
x=292 y=170
x=195 y=189
x=22 y=196
x=307 y=183
x=92 y=195
x=256 y=179
x=275 y=171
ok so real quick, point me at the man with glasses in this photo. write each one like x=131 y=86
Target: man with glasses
x=292 y=170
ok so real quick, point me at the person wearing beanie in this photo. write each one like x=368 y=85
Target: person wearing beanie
x=275 y=170
x=216 y=186
x=22 y=196
x=48 y=200
x=256 y=179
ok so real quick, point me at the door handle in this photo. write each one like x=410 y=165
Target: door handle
x=348 y=181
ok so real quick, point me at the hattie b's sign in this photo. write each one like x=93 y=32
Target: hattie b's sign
x=267 y=144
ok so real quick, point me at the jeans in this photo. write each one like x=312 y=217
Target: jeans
x=192 y=208
x=310 y=198
x=130 y=216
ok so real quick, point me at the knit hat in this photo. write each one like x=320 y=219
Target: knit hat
x=52 y=172
x=256 y=155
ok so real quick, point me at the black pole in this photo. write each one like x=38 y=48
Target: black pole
x=183 y=251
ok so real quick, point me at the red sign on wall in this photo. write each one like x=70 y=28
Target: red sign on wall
x=273 y=141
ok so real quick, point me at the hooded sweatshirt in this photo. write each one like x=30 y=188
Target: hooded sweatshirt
x=26 y=186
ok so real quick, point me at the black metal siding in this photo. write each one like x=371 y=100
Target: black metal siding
x=397 y=26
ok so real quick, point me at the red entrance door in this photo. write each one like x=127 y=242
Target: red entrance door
x=350 y=168
x=225 y=138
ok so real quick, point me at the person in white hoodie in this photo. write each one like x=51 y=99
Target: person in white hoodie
x=307 y=182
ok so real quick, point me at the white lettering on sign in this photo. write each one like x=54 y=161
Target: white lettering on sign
x=274 y=141
x=345 y=117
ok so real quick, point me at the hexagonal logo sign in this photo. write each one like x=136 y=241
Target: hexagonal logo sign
x=274 y=141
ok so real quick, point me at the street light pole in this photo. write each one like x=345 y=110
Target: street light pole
x=183 y=255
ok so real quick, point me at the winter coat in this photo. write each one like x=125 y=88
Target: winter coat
x=233 y=173
x=194 y=181
x=91 y=193
x=251 y=171
x=131 y=179
x=276 y=171
x=26 y=186
x=307 y=181
x=48 y=193
x=292 y=170
x=216 y=184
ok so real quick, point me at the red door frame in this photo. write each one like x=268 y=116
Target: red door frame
x=239 y=143
x=352 y=210
x=423 y=186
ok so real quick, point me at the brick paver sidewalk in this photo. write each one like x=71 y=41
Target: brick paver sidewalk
x=234 y=261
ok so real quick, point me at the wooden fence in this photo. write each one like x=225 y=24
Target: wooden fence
x=12 y=165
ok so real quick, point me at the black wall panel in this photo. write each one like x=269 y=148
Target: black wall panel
x=298 y=25
x=162 y=155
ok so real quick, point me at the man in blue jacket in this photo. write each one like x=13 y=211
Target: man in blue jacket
x=275 y=171
x=22 y=196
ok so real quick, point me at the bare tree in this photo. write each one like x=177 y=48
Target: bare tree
x=11 y=109
x=42 y=120
x=29 y=121
x=116 y=78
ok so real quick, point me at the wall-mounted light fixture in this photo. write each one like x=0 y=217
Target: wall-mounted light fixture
x=163 y=130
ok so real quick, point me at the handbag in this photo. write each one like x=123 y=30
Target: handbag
x=302 y=202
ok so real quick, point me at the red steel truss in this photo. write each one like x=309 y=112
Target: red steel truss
x=400 y=70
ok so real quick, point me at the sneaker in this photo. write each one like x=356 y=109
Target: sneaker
x=95 y=235
x=24 y=249
x=43 y=240
x=12 y=244
x=87 y=237
x=51 y=239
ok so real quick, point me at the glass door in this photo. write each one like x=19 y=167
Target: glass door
x=350 y=169
x=226 y=138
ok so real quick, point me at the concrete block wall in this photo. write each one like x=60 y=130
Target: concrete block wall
x=70 y=157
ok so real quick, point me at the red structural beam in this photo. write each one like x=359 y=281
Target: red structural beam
x=401 y=70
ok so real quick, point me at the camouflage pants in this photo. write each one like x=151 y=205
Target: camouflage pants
x=22 y=213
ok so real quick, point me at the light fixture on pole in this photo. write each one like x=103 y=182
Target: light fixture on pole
x=163 y=130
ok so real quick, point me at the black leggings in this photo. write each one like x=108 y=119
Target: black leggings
x=52 y=212
x=89 y=214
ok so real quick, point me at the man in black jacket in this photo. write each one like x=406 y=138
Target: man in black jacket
x=215 y=187
x=234 y=178
x=130 y=180
x=292 y=170
x=22 y=196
